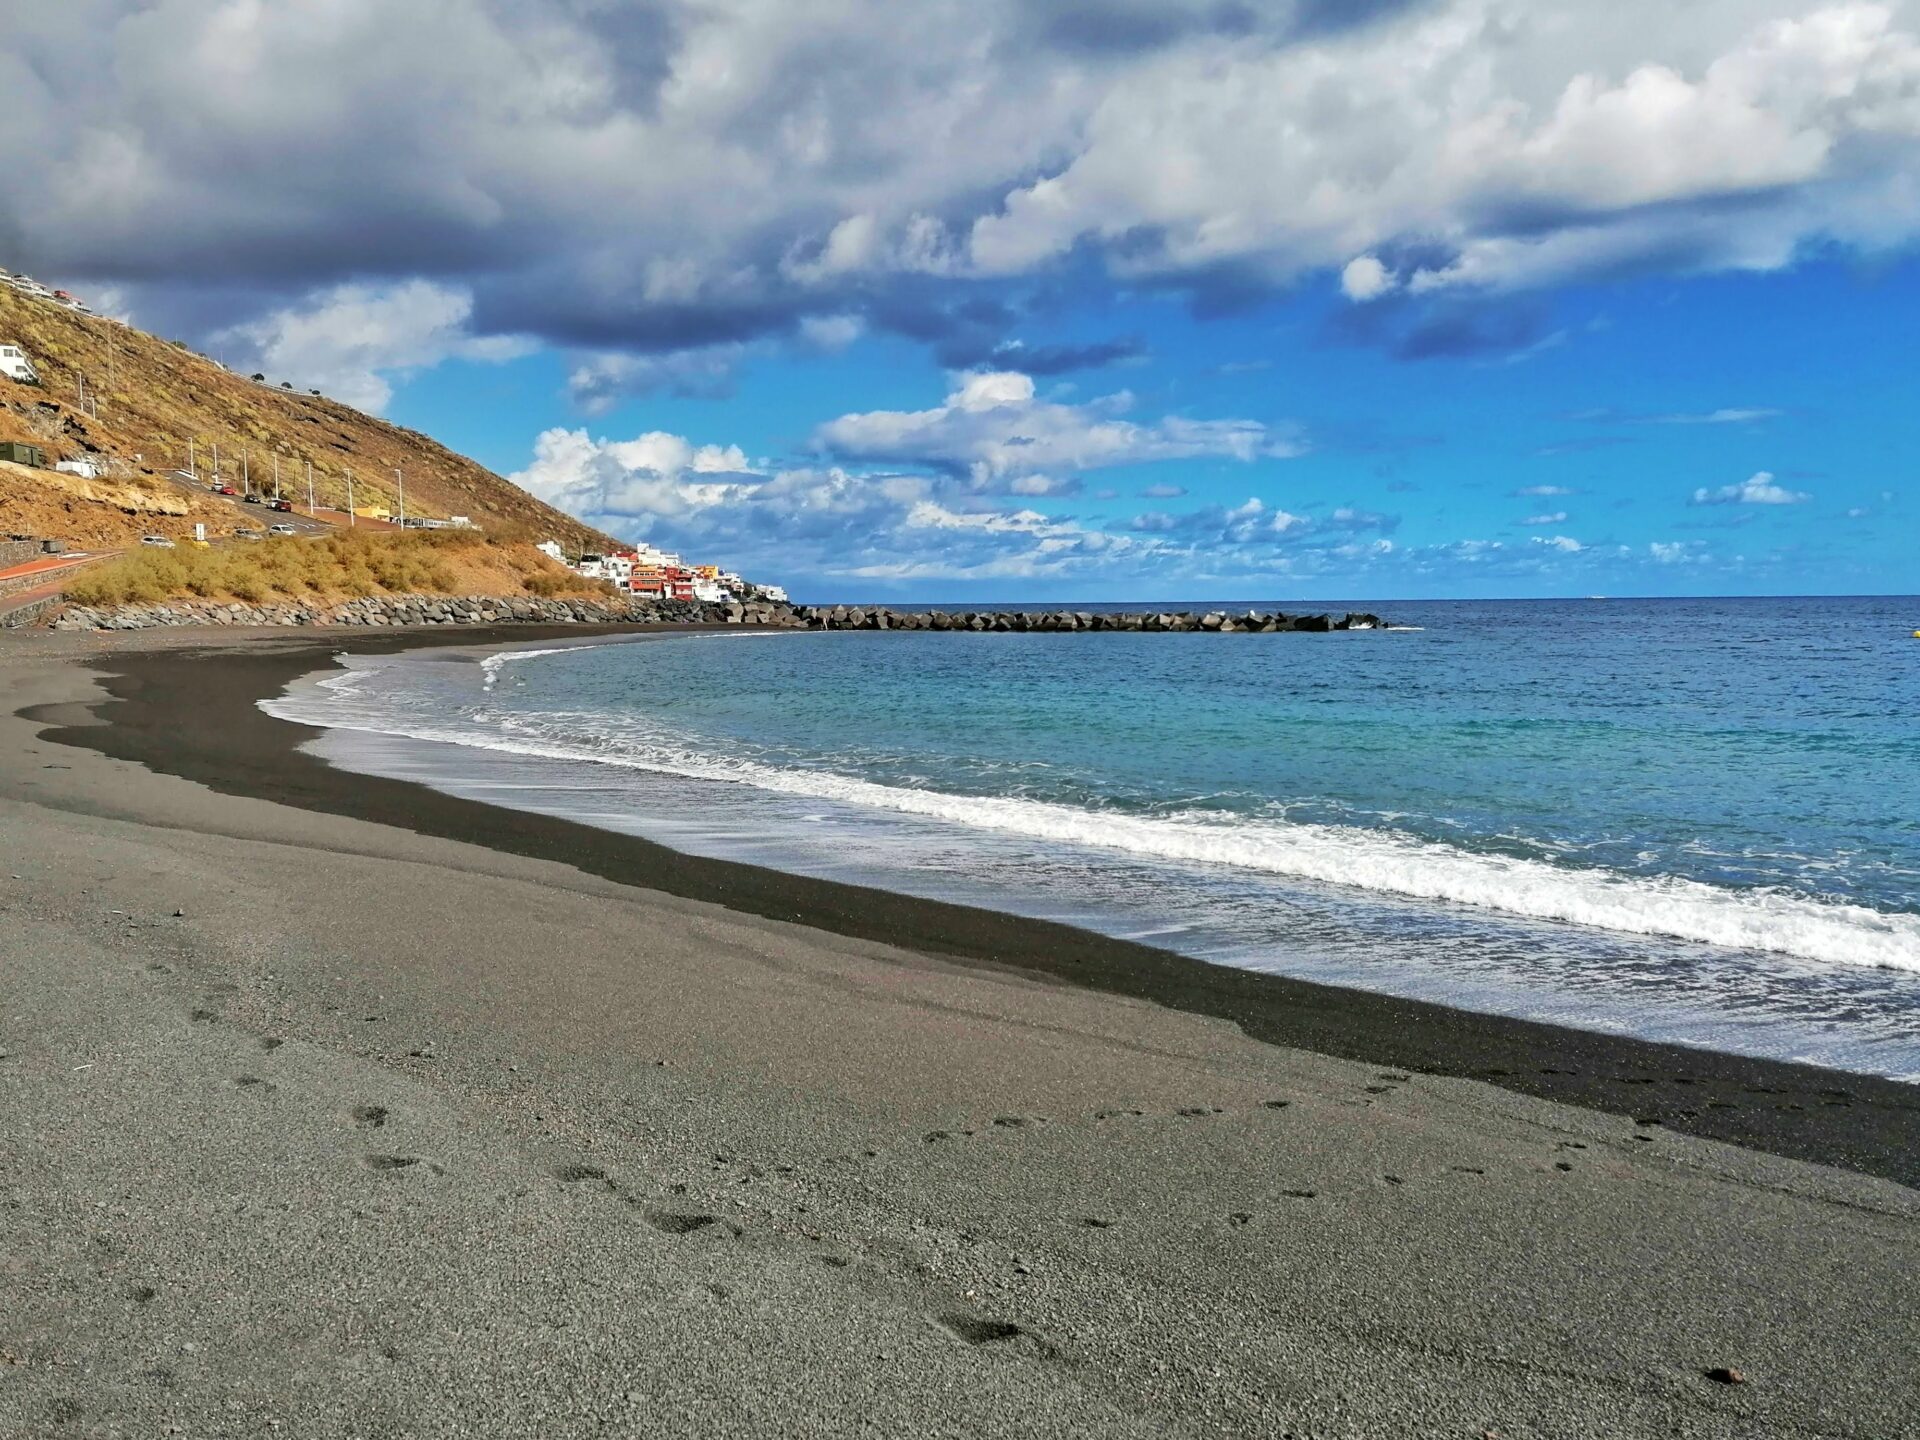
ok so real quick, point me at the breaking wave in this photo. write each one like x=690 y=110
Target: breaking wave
x=1382 y=862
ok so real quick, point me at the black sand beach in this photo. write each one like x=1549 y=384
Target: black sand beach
x=424 y=1117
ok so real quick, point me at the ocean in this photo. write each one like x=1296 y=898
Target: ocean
x=1686 y=820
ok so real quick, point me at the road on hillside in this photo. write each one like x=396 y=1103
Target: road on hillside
x=259 y=517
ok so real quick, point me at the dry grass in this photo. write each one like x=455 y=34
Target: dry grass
x=334 y=567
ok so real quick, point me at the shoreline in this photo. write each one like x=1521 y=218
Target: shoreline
x=200 y=721
x=334 y=1107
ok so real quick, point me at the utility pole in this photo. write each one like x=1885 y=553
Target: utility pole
x=80 y=382
x=216 y=462
x=190 y=470
x=351 y=517
x=401 y=481
x=276 y=474
x=310 y=509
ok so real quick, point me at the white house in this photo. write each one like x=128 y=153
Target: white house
x=15 y=365
x=551 y=549
x=85 y=468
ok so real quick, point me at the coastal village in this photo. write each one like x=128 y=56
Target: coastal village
x=654 y=574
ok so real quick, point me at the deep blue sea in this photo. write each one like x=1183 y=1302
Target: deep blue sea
x=1693 y=820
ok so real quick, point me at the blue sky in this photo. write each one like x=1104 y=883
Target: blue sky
x=1601 y=429
x=1088 y=299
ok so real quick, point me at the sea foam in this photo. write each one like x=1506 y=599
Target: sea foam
x=1382 y=862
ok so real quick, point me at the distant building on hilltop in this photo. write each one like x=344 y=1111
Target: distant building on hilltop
x=551 y=549
x=15 y=365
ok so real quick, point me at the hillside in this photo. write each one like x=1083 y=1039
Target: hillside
x=153 y=397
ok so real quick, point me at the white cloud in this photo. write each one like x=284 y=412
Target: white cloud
x=1556 y=518
x=830 y=525
x=349 y=341
x=994 y=428
x=1730 y=416
x=1543 y=491
x=1163 y=492
x=1365 y=278
x=1532 y=140
x=1564 y=543
x=712 y=502
x=1757 y=489
x=560 y=159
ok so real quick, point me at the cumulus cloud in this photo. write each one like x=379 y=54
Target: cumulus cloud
x=1365 y=278
x=1566 y=544
x=1538 y=140
x=560 y=160
x=994 y=427
x=828 y=525
x=1757 y=489
x=824 y=522
x=350 y=341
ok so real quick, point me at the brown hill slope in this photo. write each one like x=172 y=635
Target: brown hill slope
x=152 y=397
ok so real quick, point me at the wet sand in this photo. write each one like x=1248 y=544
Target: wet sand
x=423 y=1117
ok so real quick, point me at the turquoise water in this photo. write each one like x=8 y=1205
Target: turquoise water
x=1694 y=820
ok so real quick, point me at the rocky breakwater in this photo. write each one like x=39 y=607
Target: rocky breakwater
x=389 y=610
x=424 y=610
x=1215 y=622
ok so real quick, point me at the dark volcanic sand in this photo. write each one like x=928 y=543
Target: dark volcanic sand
x=311 y=1126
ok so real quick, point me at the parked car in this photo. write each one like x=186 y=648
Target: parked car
x=225 y=490
x=158 y=541
x=282 y=530
x=251 y=498
x=243 y=533
x=283 y=505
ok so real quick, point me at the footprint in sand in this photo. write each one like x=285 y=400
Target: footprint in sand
x=370 y=1117
x=670 y=1222
x=977 y=1331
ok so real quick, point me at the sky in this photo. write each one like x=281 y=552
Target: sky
x=1050 y=299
